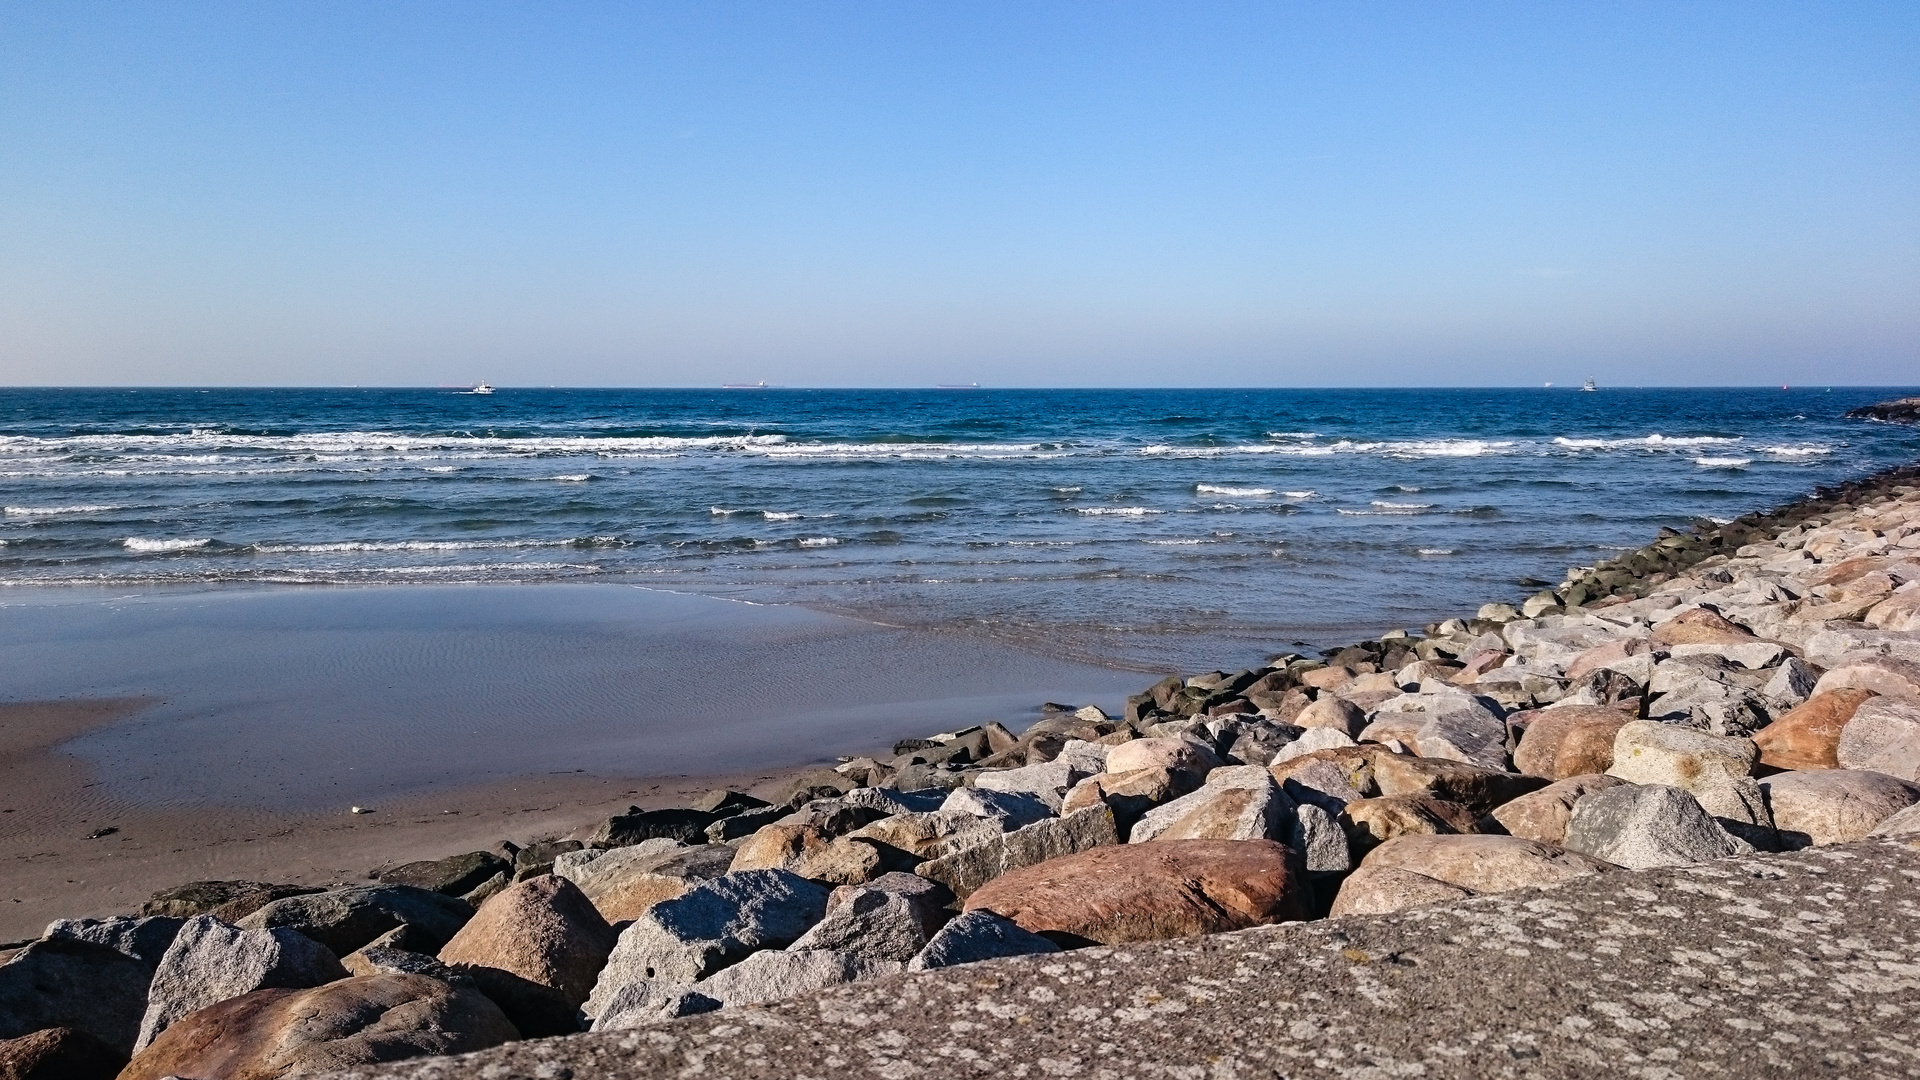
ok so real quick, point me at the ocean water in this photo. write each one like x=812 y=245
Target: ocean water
x=1152 y=529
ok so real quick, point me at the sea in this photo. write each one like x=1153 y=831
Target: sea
x=1146 y=529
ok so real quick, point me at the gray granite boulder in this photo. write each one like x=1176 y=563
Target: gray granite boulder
x=967 y=870
x=889 y=918
x=978 y=935
x=1316 y=834
x=1050 y=780
x=145 y=939
x=67 y=982
x=1012 y=809
x=345 y=919
x=1645 y=826
x=1833 y=806
x=1237 y=802
x=1884 y=736
x=623 y=882
x=210 y=962
x=777 y=973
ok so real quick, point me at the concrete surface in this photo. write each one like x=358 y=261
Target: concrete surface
x=1803 y=965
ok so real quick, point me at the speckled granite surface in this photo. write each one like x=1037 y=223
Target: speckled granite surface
x=1805 y=964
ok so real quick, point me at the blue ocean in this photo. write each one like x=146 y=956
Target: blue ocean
x=1156 y=529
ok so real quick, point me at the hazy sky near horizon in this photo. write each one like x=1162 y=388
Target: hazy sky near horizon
x=898 y=193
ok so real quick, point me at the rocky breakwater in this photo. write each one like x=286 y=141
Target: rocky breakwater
x=1750 y=688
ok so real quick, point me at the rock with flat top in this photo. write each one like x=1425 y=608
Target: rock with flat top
x=1150 y=892
x=210 y=961
x=1237 y=802
x=891 y=917
x=1049 y=780
x=1808 y=736
x=456 y=875
x=1650 y=825
x=967 y=870
x=1886 y=675
x=1379 y=890
x=621 y=830
x=1833 y=806
x=973 y=936
x=1883 y=735
x=68 y=982
x=623 y=882
x=844 y=861
x=345 y=919
x=1542 y=816
x=1310 y=740
x=1011 y=809
x=1484 y=864
x=777 y=973
x=365 y=1020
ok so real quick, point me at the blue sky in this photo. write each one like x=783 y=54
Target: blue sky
x=896 y=193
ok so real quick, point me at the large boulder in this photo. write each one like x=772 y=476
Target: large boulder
x=1332 y=712
x=1175 y=755
x=1459 y=727
x=890 y=918
x=1714 y=769
x=1150 y=892
x=210 y=961
x=1572 y=740
x=968 y=869
x=70 y=983
x=1887 y=675
x=1699 y=626
x=679 y=942
x=1883 y=735
x=1368 y=823
x=1808 y=736
x=535 y=949
x=1646 y=826
x=455 y=875
x=59 y=1054
x=1834 y=806
x=973 y=936
x=1542 y=816
x=1478 y=788
x=778 y=973
x=228 y=901
x=1904 y=825
x=345 y=919
x=1009 y=809
x=1485 y=863
x=636 y=825
x=623 y=882
x=1049 y=781
x=1237 y=802
x=1381 y=890
x=1130 y=794
x=364 y=1020
x=931 y=835
x=145 y=939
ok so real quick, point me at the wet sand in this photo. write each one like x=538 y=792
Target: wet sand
x=225 y=733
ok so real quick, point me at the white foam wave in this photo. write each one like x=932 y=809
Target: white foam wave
x=1382 y=504
x=818 y=541
x=1299 y=494
x=1178 y=543
x=572 y=478
x=925 y=451
x=1438 y=551
x=772 y=515
x=417 y=545
x=1722 y=462
x=1116 y=511
x=1226 y=489
x=50 y=511
x=1654 y=441
x=382 y=442
x=1797 y=451
x=1067 y=490
x=135 y=543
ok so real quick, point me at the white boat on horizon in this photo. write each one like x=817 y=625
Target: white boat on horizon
x=1588 y=385
x=761 y=385
x=479 y=388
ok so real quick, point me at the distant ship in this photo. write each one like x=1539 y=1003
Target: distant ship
x=480 y=388
x=1588 y=385
x=957 y=386
x=761 y=385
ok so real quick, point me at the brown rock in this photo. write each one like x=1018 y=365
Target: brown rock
x=1700 y=627
x=1151 y=892
x=1808 y=737
x=1870 y=671
x=1572 y=741
x=845 y=861
x=1542 y=816
x=1477 y=665
x=1486 y=864
x=1834 y=806
x=1371 y=822
x=1326 y=678
x=1354 y=762
x=228 y=901
x=59 y=1054
x=535 y=949
x=1901 y=611
x=1173 y=755
x=1332 y=712
x=366 y=1020
x=1381 y=890
x=779 y=847
x=1601 y=656
x=1454 y=781
x=1401 y=727
x=1130 y=795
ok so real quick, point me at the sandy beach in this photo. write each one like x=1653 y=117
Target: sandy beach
x=226 y=733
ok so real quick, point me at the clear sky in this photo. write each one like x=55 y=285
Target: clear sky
x=893 y=193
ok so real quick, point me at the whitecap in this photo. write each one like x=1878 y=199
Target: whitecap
x=1299 y=494
x=1117 y=511
x=135 y=543
x=1438 y=551
x=1382 y=504
x=1797 y=451
x=572 y=478
x=1177 y=543
x=50 y=511
x=1722 y=462
x=1224 y=489
x=818 y=541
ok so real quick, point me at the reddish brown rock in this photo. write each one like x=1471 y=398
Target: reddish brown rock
x=779 y=847
x=1486 y=864
x=1477 y=665
x=1371 y=822
x=1808 y=737
x=59 y=1054
x=366 y=1020
x=1542 y=816
x=1151 y=892
x=1571 y=741
x=1700 y=627
x=535 y=948
x=1601 y=656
